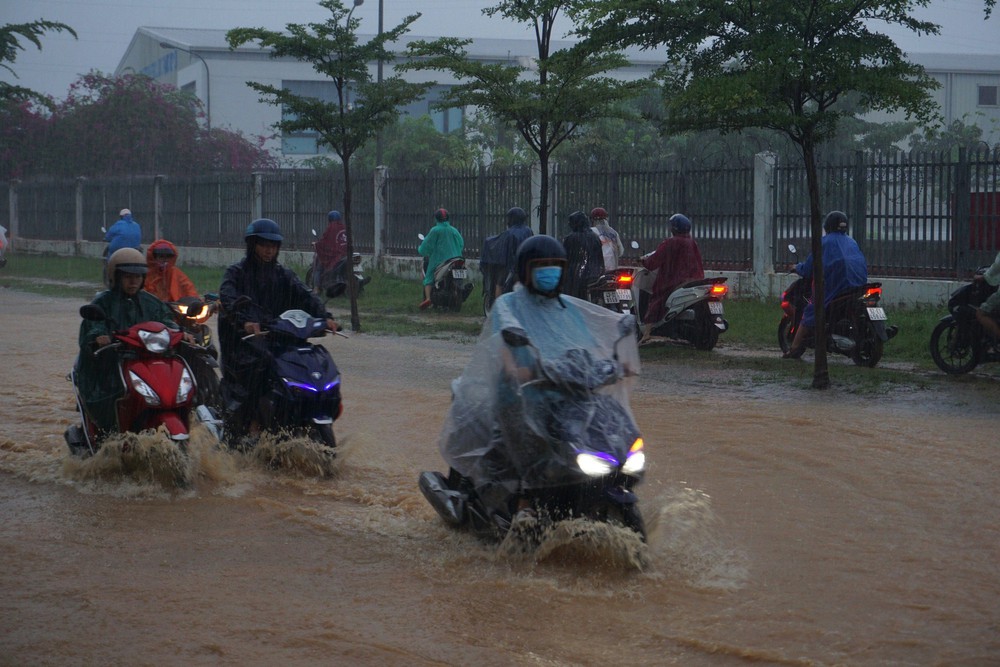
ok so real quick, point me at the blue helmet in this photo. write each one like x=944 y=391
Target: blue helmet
x=264 y=228
x=333 y=216
x=680 y=223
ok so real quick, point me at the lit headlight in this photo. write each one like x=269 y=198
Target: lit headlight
x=636 y=460
x=143 y=389
x=594 y=465
x=185 y=387
x=155 y=341
x=301 y=386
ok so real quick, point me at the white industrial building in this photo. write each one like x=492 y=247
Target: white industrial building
x=200 y=61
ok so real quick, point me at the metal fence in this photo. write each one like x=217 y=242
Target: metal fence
x=914 y=215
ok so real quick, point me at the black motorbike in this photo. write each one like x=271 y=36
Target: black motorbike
x=959 y=343
x=855 y=322
x=334 y=283
x=595 y=451
x=301 y=395
x=613 y=290
x=192 y=314
x=452 y=285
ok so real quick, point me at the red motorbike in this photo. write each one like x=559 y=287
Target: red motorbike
x=159 y=386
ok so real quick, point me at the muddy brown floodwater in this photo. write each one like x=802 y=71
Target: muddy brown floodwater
x=787 y=527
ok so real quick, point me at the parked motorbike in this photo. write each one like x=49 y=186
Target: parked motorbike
x=694 y=311
x=855 y=322
x=452 y=285
x=959 y=343
x=192 y=315
x=160 y=388
x=302 y=383
x=595 y=451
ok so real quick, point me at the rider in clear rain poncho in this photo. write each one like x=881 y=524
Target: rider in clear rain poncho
x=509 y=437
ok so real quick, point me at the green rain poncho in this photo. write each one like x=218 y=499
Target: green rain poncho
x=441 y=244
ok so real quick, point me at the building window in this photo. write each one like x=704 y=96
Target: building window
x=988 y=96
x=306 y=142
x=447 y=120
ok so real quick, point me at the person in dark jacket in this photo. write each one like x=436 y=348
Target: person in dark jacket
x=507 y=244
x=272 y=289
x=584 y=257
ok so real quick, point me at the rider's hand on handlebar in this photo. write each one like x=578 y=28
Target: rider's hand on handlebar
x=188 y=338
x=251 y=328
x=101 y=341
x=332 y=325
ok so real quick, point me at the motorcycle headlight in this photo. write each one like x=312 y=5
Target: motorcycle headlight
x=156 y=342
x=301 y=386
x=594 y=465
x=185 y=387
x=143 y=389
x=636 y=460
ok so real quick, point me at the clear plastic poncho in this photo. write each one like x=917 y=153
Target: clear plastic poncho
x=513 y=426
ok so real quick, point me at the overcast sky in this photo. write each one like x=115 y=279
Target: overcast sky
x=105 y=27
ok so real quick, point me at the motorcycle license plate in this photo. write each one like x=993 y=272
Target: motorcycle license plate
x=624 y=295
x=611 y=297
x=876 y=314
x=460 y=273
x=715 y=307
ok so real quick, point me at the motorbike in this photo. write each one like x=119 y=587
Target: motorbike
x=452 y=285
x=959 y=343
x=594 y=460
x=855 y=322
x=613 y=290
x=694 y=310
x=333 y=283
x=302 y=382
x=160 y=388
x=192 y=314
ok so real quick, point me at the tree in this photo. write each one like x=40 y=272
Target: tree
x=566 y=90
x=775 y=64
x=361 y=106
x=414 y=144
x=10 y=45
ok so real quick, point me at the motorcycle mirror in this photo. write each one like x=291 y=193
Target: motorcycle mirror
x=515 y=337
x=313 y=232
x=635 y=245
x=791 y=248
x=211 y=296
x=420 y=236
x=93 y=312
x=103 y=229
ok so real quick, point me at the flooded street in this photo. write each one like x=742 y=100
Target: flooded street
x=788 y=527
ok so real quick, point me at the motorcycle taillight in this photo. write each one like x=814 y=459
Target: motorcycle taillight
x=872 y=296
x=719 y=290
x=624 y=279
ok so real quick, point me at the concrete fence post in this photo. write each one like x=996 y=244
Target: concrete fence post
x=78 y=212
x=763 y=222
x=381 y=235
x=158 y=206
x=15 y=224
x=258 y=196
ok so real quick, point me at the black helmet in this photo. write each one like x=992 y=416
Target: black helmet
x=534 y=249
x=680 y=223
x=264 y=228
x=578 y=221
x=126 y=260
x=835 y=221
x=516 y=216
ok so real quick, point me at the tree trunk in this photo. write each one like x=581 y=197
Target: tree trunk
x=821 y=371
x=543 y=195
x=352 y=289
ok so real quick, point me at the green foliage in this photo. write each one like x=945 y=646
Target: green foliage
x=128 y=125
x=546 y=100
x=950 y=139
x=414 y=144
x=10 y=44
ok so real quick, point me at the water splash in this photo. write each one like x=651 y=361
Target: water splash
x=149 y=458
x=297 y=454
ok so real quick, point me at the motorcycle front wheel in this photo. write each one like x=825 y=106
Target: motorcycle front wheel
x=868 y=347
x=954 y=349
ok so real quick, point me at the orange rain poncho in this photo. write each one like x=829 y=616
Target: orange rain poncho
x=164 y=280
